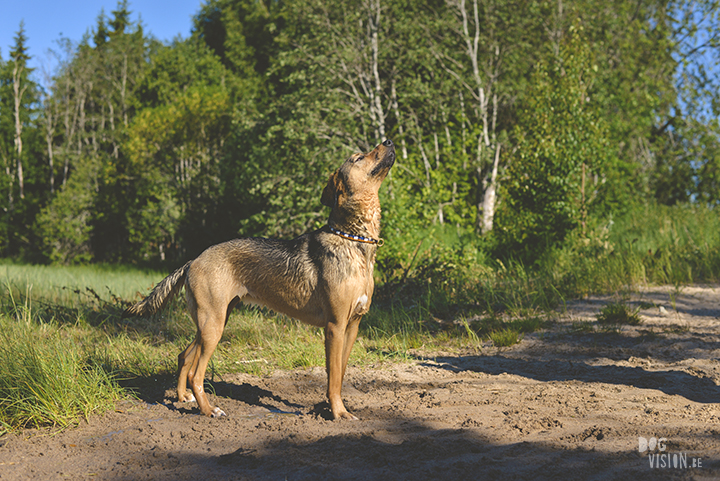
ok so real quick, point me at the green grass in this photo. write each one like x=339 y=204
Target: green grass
x=46 y=378
x=452 y=276
x=76 y=285
x=618 y=313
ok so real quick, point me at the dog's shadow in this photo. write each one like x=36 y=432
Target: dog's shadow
x=254 y=396
x=160 y=389
x=259 y=397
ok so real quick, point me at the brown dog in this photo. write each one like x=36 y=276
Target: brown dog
x=323 y=278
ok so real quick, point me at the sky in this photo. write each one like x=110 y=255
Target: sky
x=48 y=20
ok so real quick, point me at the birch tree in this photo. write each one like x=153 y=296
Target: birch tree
x=561 y=139
x=20 y=72
x=489 y=33
x=346 y=54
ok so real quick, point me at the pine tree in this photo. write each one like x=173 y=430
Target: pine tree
x=101 y=31
x=121 y=18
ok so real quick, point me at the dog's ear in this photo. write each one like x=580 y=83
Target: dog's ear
x=332 y=190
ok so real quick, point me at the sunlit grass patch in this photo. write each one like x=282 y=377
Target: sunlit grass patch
x=47 y=378
x=77 y=285
x=505 y=337
x=616 y=313
x=505 y=332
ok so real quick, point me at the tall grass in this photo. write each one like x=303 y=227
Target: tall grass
x=648 y=245
x=45 y=377
x=64 y=354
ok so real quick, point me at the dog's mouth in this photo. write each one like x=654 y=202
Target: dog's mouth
x=387 y=160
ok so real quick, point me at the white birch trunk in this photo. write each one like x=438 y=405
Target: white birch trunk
x=488 y=204
x=49 y=134
x=374 y=11
x=484 y=92
x=18 y=92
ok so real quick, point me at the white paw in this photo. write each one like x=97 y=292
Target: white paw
x=190 y=399
x=217 y=412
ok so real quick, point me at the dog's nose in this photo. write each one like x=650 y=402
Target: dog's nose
x=388 y=143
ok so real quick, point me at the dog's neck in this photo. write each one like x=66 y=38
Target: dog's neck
x=362 y=219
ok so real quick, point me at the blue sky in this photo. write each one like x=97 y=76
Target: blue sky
x=47 y=20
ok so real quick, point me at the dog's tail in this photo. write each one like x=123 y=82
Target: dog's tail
x=160 y=295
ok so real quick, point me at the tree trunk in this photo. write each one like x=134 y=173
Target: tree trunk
x=401 y=128
x=483 y=91
x=18 y=92
x=374 y=12
x=488 y=204
x=123 y=91
x=49 y=134
x=10 y=172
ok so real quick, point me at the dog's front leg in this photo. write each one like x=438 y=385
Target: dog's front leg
x=334 y=358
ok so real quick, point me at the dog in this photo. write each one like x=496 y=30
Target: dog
x=323 y=278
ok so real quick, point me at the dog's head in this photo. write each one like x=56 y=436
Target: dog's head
x=360 y=176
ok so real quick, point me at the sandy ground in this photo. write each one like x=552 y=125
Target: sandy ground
x=565 y=403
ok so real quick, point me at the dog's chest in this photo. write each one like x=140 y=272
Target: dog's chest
x=361 y=305
x=364 y=261
x=361 y=261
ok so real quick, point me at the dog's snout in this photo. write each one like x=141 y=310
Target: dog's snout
x=388 y=143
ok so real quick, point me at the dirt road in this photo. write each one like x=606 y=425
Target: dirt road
x=569 y=402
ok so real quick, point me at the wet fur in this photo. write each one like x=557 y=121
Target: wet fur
x=319 y=278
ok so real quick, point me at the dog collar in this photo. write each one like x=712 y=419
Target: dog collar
x=358 y=238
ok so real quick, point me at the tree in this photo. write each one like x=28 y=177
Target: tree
x=171 y=176
x=236 y=129
x=561 y=151
x=492 y=35
x=682 y=155
x=94 y=91
x=20 y=84
x=19 y=96
x=330 y=88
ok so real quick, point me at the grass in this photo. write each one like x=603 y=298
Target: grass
x=615 y=313
x=455 y=277
x=45 y=378
x=78 y=284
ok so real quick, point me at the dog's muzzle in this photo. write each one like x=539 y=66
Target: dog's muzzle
x=388 y=159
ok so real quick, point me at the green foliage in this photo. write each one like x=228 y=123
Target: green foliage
x=561 y=144
x=62 y=323
x=618 y=313
x=147 y=153
x=64 y=225
x=19 y=105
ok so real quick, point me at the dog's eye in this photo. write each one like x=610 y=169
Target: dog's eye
x=358 y=159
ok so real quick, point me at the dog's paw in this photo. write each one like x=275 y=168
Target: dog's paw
x=346 y=415
x=217 y=412
x=189 y=398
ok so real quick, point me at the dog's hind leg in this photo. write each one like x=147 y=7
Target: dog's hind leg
x=186 y=360
x=211 y=322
